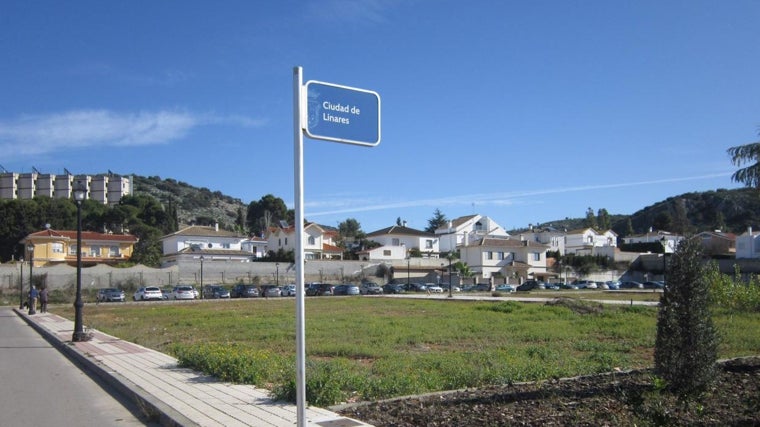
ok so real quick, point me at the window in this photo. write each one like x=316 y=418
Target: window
x=395 y=242
x=73 y=250
x=386 y=252
x=536 y=256
x=428 y=244
x=489 y=255
x=114 y=251
x=312 y=240
x=226 y=246
x=478 y=226
x=500 y=255
x=57 y=248
x=95 y=251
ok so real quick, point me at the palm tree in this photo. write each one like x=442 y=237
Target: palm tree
x=748 y=153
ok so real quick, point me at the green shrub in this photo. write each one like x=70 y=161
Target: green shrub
x=686 y=345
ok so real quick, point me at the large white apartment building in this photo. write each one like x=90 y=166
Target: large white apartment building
x=105 y=188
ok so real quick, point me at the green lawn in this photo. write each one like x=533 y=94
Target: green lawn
x=370 y=348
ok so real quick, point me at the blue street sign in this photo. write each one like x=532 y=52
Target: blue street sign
x=342 y=114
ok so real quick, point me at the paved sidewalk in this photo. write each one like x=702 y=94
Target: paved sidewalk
x=177 y=396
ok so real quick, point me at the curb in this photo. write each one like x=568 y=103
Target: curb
x=151 y=407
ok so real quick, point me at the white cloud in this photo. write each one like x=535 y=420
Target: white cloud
x=344 y=206
x=41 y=134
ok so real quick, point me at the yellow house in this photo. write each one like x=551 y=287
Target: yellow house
x=53 y=247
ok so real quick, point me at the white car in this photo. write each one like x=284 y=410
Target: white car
x=183 y=292
x=289 y=290
x=433 y=288
x=148 y=293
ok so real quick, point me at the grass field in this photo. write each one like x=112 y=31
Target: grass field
x=369 y=348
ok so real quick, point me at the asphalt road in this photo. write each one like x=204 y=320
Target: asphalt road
x=41 y=387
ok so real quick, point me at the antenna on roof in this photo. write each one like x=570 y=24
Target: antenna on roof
x=67 y=172
x=283 y=223
x=3 y=169
x=35 y=170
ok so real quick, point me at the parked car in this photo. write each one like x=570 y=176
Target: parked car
x=183 y=292
x=532 y=285
x=454 y=288
x=289 y=290
x=393 y=288
x=585 y=284
x=506 y=288
x=568 y=286
x=319 y=289
x=630 y=284
x=613 y=285
x=552 y=286
x=433 y=288
x=654 y=284
x=370 y=288
x=148 y=293
x=216 y=292
x=244 y=291
x=415 y=287
x=110 y=295
x=271 y=291
x=346 y=289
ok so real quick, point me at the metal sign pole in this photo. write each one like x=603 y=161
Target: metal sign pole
x=299 y=257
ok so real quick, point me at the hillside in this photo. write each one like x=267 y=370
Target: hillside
x=726 y=210
x=194 y=205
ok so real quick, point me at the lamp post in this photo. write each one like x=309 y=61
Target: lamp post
x=202 y=276
x=277 y=277
x=80 y=191
x=21 y=287
x=451 y=295
x=408 y=276
x=30 y=249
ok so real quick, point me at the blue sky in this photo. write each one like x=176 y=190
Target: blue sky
x=525 y=112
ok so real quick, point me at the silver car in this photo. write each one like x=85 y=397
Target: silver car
x=110 y=294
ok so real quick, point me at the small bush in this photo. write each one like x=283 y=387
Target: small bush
x=686 y=345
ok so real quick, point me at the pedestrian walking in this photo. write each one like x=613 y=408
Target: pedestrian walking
x=33 y=294
x=43 y=300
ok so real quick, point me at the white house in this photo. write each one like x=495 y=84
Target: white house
x=588 y=241
x=257 y=246
x=668 y=240
x=317 y=242
x=467 y=229
x=399 y=236
x=197 y=241
x=509 y=257
x=549 y=236
x=383 y=253
x=748 y=245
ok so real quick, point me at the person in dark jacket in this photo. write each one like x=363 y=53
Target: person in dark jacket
x=43 y=300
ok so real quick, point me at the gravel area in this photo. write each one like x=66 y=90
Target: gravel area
x=615 y=399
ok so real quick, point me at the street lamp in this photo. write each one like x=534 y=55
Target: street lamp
x=277 y=277
x=21 y=287
x=80 y=191
x=408 y=261
x=202 y=276
x=451 y=295
x=30 y=249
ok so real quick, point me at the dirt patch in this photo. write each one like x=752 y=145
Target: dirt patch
x=616 y=399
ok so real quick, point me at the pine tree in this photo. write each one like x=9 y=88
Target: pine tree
x=686 y=342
